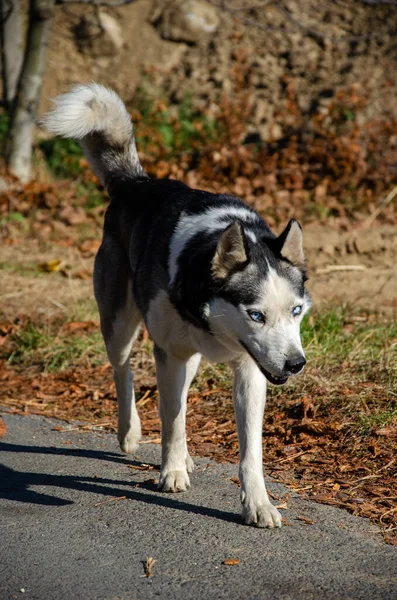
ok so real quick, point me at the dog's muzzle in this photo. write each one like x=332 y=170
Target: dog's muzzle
x=291 y=367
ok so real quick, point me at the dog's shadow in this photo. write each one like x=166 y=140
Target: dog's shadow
x=17 y=485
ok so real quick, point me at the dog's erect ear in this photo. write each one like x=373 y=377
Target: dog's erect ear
x=231 y=252
x=290 y=244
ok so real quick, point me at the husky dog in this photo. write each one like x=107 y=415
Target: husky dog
x=205 y=274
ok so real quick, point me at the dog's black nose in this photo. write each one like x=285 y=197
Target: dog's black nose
x=296 y=365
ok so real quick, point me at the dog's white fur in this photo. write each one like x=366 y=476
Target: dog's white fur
x=85 y=113
x=209 y=220
x=274 y=340
x=181 y=342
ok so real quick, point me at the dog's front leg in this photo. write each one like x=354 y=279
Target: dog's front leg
x=174 y=377
x=249 y=402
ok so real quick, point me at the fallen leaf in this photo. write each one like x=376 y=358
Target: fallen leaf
x=148 y=566
x=79 y=326
x=83 y=274
x=3 y=427
x=73 y=216
x=142 y=467
x=90 y=247
x=308 y=407
x=111 y=500
x=236 y=481
x=51 y=266
x=318 y=427
x=391 y=430
x=231 y=561
x=391 y=540
x=305 y=520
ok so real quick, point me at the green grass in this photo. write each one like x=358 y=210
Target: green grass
x=26 y=268
x=378 y=420
x=39 y=345
x=92 y=195
x=334 y=337
x=27 y=340
x=178 y=128
x=62 y=157
x=15 y=218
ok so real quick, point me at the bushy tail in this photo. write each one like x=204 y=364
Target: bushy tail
x=97 y=118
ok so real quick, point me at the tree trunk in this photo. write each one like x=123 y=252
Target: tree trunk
x=11 y=47
x=23 y=117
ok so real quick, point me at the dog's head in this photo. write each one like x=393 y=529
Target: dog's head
x=261 y=298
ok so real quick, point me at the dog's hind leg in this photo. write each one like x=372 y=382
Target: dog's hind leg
x=174 y=377
x=120 y=325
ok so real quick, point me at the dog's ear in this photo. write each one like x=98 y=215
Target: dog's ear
x=290 y=244
x=231 y=252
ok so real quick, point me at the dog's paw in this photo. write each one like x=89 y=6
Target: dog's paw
x=189 y=464
x=174 y=481
x=129 y=441
x=261 y=515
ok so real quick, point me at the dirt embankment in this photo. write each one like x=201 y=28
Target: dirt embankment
x=319 y=45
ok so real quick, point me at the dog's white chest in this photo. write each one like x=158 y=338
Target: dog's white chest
x=173 y=335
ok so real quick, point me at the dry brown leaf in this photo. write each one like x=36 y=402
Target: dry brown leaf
x=391 y=540
x=110 y=500
x=90 y=247
x=80 y=326
x=84 y=274
x=231 y=561
x=142 y=467
x=148 y=566
x=308 y=407
x=3 y=428
x=209 y=392
x=305 y=520
x=391 y=430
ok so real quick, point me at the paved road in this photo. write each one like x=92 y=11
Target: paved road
x=62 y=539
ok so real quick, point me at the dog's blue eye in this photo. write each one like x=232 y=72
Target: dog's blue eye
x=297 y=311
x=256 y=316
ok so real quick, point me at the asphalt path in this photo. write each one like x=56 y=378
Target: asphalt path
x=78 y=519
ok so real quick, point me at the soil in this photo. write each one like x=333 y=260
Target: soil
x=318 y=45
x=356 y=269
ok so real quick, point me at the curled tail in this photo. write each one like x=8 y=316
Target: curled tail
x=97 y=118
